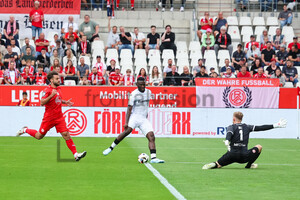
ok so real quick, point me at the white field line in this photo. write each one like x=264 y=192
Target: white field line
x=165 y=182
x=267 y=164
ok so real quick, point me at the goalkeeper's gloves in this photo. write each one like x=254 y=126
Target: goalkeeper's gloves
x=227 y=144
x=281 y=124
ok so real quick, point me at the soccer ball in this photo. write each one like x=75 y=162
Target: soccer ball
x=143 y=158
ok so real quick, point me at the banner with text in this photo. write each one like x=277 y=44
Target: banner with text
x=166 y=122
x=93 y=96
x=238 y=93
x=56 y=13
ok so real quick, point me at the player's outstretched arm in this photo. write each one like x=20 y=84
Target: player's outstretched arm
x=68 y=103
x=281 y=124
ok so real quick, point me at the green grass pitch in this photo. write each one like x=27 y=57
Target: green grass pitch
x=29 y=170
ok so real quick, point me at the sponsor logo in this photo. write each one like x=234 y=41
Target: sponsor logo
x=76 y=121
x=237 y=98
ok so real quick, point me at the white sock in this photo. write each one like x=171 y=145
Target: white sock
x=25 y=129
x=113 y=145
x=153 y=155
x=75 y=155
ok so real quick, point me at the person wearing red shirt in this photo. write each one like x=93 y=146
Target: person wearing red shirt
x=68 y=34
x=260 y=73
x=36 y=17
x=244 y=73
x=55 y=64
x=143 y=74
x=96 y=77
x=24 y=101
x=128 y=79
x=1 y=77
x=205 y=23
x=101 y=66
x=40 y=77
x=115 y=78
x=27 y=76
x=295 y=41
x=53 y=117
x=30 y=67
x=40 y=44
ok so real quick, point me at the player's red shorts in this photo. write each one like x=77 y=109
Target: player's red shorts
x=60 y=125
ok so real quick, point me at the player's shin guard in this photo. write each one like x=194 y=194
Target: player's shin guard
x=254 y=155
x=71 y=146
x=114 y=144
x=31 y=132
x=153 y=153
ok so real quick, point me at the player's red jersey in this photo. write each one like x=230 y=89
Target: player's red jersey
x=40 y=79
x=53 y=107
x=115 y=78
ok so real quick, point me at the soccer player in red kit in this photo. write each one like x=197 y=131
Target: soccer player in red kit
x=53 y=116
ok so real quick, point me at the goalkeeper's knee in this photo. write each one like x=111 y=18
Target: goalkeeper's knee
x=259 y=147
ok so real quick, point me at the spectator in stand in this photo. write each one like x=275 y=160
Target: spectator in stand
x=168 y=40
x=40 y=44
x=197 y=68
x=172 y=78
x=58 y=48
x=208 y=41
x=24 y=48
x=43 y=60
x=30 y=67
x=152 y=41
x=28 y=56
x=223 y=41
x=212 y=72
x=1 y=78
x=294 y=55
x=69 y=23
x=15 y=48
x=205 y=23
x=242 y=3
x=96 y=78
x=265 y=6
x=281 y=56
x=115 y=78
x=12 y=76
x=3 y=50
x=73 y=43
x=68 y=57
x=113 y=37
x=238 y=57
x=36 y=17
x=182 y=5
x=128 y=79
x=260 y=73
x=272 y=68
x=290 y=73
x=25 y=101
x=101 y=67
x=224 y=68
x=27 y=77
x=89 y=28
x=155 y=77
x=295 y=42
x=164 y=5
x=278 y=74
x=168 y=68
x=82 y=70
x=55 y=64
x=2 y=42
x=84 y=47
x=97 y=6
x=53 y=42
x=40 y=77
x=244 y=73
x=70 y=33
x=131 y=3
x=255 y=66
x=111 y=67
x=228 y=73
x=70 y=72
x=186 y=77
x=253 y=54
x=84 y=81
x=55 y=56
x=69 y=47
x=10 y=56
x=61 y=73
x=125 y=40
x=202 y=73
x=267 y=54
x=251 y=43
x=278 y=39
x=143 y=73
x=264 y=37
x=219 y=22
x=285 y=17
x=11 y=31
x=138 y=39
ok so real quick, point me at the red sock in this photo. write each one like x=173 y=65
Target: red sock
x=71 y=146
x=31 y=132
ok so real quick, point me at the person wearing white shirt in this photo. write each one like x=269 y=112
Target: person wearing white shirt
x=68 y=24
x=138 y=39
x=15 y=48
x=136 y=117
x=101 y=66
x=113 y=37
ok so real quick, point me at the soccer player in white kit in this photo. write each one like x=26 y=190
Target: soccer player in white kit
x=136 y=117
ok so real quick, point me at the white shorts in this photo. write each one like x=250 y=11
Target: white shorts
x=142 y=123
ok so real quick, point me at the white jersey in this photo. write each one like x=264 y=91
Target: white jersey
x=140 y=102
